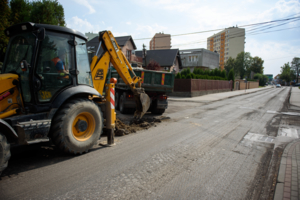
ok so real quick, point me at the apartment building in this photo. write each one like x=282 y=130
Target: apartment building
x=160 y=41
x=228 y=43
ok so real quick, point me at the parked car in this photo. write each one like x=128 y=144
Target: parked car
x=297 y=85
x=278 y=86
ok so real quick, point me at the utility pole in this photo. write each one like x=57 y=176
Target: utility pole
x=297 y=67
x=144 y=54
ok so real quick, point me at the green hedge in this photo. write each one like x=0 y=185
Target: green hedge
x=215 y=74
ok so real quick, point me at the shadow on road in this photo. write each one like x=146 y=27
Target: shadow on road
x=25 y=158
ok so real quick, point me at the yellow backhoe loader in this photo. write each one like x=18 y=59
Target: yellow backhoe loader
x=49 y=89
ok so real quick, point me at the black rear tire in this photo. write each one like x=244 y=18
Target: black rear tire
x=71 y=136
x=4 y=152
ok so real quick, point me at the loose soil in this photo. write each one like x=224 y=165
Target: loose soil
x=125 y=127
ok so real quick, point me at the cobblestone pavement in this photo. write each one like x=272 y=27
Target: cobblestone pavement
x=288 y=185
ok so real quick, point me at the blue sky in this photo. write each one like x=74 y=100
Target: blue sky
x=144 y=18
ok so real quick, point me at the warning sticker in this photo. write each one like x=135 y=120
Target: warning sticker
x=99 y=75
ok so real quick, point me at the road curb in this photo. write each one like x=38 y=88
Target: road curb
x=203 y=101
x=284 y=174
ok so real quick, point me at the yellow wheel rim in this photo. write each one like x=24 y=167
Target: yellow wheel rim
x=83 y=126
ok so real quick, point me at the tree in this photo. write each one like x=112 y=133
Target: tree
x=242 y=64
x=296 y=67
x=4 y=23
x=257 y=65
x=287 y=73
x=261 y=78
x=231 y=77
x=229 y=65
x=152 y=65
x=20 y=11
x=48 y=12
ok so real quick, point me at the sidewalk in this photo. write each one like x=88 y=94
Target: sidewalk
x=288 y=180
x=217 y=96
x=295 y=99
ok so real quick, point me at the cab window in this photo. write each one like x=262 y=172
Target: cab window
x=53 y=64
x=20 y=48
x=83 y=66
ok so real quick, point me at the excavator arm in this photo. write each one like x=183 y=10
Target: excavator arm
x=113 y=54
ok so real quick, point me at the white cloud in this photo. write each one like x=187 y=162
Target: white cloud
x=86 y=4
x=82 y=25
x=128 y=23
x=275 y=54
x=150 y=30
x=116 y=34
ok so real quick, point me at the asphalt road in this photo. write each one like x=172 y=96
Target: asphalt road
x=200 y=153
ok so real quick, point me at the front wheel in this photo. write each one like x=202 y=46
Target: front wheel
x=77 y=126
x=4 y=152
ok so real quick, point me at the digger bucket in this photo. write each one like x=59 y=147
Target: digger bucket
x=142 y=101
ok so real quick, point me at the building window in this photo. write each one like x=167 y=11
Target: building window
x=128 y=54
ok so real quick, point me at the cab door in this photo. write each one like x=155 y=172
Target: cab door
x=54 y=62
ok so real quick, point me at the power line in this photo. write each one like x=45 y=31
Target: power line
x=230 y=37
x=281 y=58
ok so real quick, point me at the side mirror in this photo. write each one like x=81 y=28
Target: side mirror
x=24 y=65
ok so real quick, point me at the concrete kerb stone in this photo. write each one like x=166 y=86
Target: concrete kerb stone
x=278 y=191
x=206 y=101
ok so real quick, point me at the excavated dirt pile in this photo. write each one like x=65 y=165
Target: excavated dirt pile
x=124 y=127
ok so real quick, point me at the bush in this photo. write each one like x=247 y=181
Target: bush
x=178 y=76
x=199 y=74
x=223 y=74
x=261 y=78
x=189 y=76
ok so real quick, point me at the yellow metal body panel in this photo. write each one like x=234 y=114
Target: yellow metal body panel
x=99 y=71
x=8 y=113
x=118 y=59
x=6 y=81
x=114 y=54
x=9 y=104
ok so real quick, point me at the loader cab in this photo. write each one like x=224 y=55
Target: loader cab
x=48 y=60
